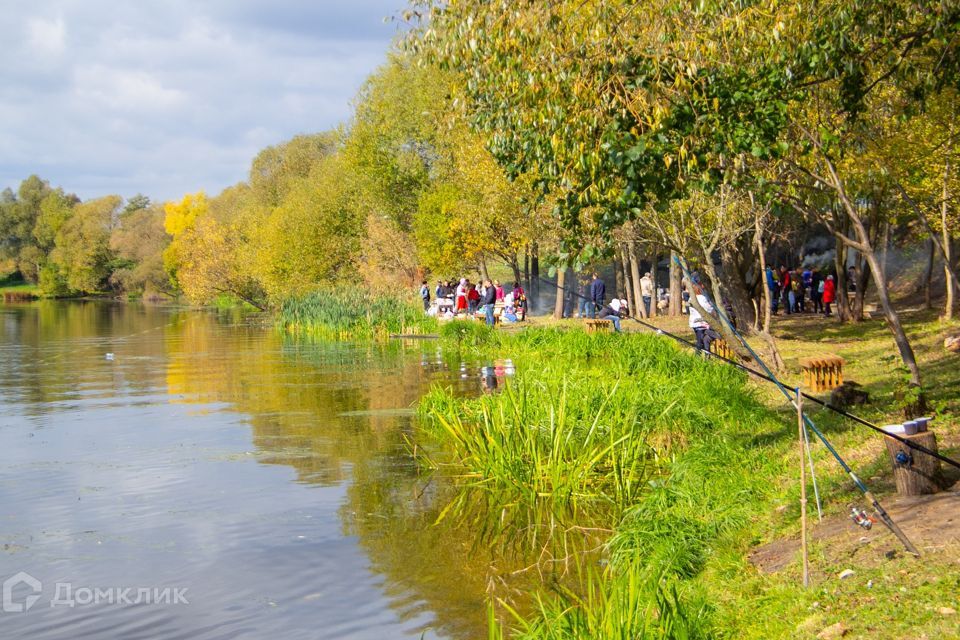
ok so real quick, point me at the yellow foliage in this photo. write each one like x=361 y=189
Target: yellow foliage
x=181 y=216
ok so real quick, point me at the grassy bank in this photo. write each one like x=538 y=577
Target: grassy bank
x=352 y=313
x=682 y=469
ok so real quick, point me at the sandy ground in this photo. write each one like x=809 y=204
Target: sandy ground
x=930 y=522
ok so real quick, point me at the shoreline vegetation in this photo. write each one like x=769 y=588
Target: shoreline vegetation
x=676 y=468
x=352 y=314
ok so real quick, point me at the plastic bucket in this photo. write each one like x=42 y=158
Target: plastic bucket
x=922 y=424
x=910 y=427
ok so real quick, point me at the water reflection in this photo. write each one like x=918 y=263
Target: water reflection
x=269 y=476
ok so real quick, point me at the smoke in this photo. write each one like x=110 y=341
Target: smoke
x=820 y=260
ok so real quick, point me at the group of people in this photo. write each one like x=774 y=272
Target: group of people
x=592 y=296
x=790 y=289
x=467 y=299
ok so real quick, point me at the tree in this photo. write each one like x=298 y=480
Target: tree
x=82 y=254
x=313 y=235
x=138 y=242
x=18 y=217
x=55 y=209
x=211 y=251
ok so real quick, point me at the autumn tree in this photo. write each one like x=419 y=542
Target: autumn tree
x=82 y=255
x=138 y=242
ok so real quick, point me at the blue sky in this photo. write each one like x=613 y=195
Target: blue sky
x=170 y=97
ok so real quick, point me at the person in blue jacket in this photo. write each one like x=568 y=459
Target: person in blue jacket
x=597 y=294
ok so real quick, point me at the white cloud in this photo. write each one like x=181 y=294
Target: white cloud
x=47 y=37
x=119 y=89
x=170 y=98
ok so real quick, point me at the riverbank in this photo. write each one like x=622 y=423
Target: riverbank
x=693 y=469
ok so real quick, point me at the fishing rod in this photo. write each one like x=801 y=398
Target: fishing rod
x=884 y=516
x=769 y=378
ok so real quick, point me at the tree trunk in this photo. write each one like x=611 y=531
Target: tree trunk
x=483 y=269
x=893 y=319
x=928 y=276
x=840 y=262
x=736 y=290
x=767 y=298
x=653 y=275
x=624 y=266
x=526 y=267
x=675 y=286
x=861 y=282
x=515 y=265
x=561 y=291
x=618 y=276
x=922 y=474
x=534 y=277
x=952 y=283
x=635 y=276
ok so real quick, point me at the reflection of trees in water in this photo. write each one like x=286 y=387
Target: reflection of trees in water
x=296 y=394
x=56 y=350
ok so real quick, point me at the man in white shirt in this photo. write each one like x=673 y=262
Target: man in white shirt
x=646 y=291
x=701 y=328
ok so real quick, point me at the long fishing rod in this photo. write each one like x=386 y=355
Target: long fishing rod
x=884 y=516
x=769 y=378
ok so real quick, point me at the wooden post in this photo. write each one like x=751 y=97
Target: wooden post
x=803 y=492
x=920 y=474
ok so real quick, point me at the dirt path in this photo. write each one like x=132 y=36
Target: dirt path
x=930 y=522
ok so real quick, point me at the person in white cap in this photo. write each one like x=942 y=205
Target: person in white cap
x=612 y=313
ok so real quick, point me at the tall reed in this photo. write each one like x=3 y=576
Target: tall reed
x=351 y=313
x=660 y=447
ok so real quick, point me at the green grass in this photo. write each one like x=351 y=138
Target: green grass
x=15 y=284
x=680 y=467
x=350 y=314
x=626 y=434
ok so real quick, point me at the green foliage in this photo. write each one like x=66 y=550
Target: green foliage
x=82 y=253
x=625 y=433
x=53 y=284
x=138 y=242
x=351 y=313
x=467 y=333
x=630 y=604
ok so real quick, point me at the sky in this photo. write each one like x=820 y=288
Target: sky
x=169 y=97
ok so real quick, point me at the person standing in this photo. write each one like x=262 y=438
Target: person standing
x=829 y=294
x=473 y=298
x=584 y=297
x=520 y=301
x=772 y=286
x=425 y=295
x=488 y=302
x=598 y=292
x=461 y=295
x=816 y=290
x=498 y=290
x=646 y=291
x=785 y=289
x=701 y=328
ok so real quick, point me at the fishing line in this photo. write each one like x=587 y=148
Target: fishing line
x=769 y=378
x=884 y=516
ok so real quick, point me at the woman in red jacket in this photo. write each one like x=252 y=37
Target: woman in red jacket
x=829 y=294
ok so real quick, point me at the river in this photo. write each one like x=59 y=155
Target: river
x=170 y=473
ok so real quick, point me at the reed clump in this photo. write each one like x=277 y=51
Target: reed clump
x=661 y=449
x=353 y=314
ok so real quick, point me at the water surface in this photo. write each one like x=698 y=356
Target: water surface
x=270 y=478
